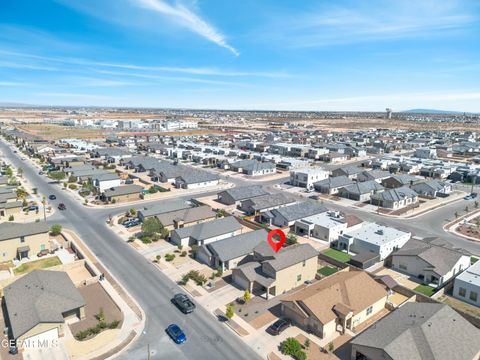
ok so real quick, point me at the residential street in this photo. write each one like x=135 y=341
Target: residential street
x=207 y=338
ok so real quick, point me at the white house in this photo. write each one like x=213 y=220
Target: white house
x=375 y=238
x=467 y=285
x=307 y=176
x=106 y=181
x=326 y=226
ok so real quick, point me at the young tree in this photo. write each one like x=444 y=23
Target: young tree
x=247 y=296
x=291 y=239
x=56 y=229
x=290 y=346
x=132 y=212
x=230 y=312
x=151 y=226
x=331 y=346
x=9 y=171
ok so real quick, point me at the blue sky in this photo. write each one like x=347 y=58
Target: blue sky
x=355 y=55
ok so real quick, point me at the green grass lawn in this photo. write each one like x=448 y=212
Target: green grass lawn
x=327 y=270
x=425 y=290
x=338 y=255
x=37 y=264
x=473 y=260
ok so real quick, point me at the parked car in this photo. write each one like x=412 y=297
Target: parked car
x=43 y=253
x=62 y=206
x=314 y=197
x=473 y=195
x=468 y=197
x=52 y=197
x=132 y=223
x=176 y=333
x=183 y=303
x=31 y=208
x=278 y=327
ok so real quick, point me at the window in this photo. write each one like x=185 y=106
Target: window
x=42 y=247
x=462 y=292
x=473 y=296
x=369 y=310
x=299 y=277
x=22 y=238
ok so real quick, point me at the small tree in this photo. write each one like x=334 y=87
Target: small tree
x=230 y=311
x=290 y=346
x=151 y=226
x=56 y=229
x=247 y=296
x=291 y=239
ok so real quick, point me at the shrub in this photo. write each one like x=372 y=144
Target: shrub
x=56 y=229
x=290 y=346
x=146 y=239
x=247 y=296
x=72 y=179
x=131 y=239
x=169 y=257
x=72 y=187
x=230 y=312
x=101 y=315
x=11 y=218
x=291 y=239
x=183 y=254
x=114 y=324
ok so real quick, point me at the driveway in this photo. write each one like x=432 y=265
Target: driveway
x=54 y=353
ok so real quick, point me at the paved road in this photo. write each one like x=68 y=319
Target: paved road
x=207 y=338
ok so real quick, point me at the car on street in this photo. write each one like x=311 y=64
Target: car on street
x=40 y=173
x=278 y=327
x=62 y=206
x=176 y=333
x=183 y=302
x=468 y=197
x=52 y=197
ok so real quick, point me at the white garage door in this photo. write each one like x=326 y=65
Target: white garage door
x=46 y=339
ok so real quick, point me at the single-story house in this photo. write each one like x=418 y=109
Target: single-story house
x=377 y=175
x=106 y=181
x=229 y=253
x=195 y=179
x=360 y=191
x=9 y=205
x=332 y=185
x=419 y=331
x=350 y=171
x=401 y=180
x=162 y=208
x=286 y=216
x=432 y=263
x=235 y=195
x=186 y=217
x=253 y=167
x=343 y=300
x=432 y=188
x=395 y=198
x=37 y=306
x=123 y=193
x=264 y=203
x=207 y=232
x=374 y=238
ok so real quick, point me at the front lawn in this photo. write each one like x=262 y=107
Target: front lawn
x=37 y=264
x=327 y=270
x=338 y=255
x=425 y=290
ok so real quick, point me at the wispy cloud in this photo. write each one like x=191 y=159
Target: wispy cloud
x=188 y=19
x=378 y=21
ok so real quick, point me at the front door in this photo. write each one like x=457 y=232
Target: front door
x=22 y=254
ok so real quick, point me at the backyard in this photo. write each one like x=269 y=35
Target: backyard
x=37 y=264
x=327 y=270
x=338 y=255
x=425 y=290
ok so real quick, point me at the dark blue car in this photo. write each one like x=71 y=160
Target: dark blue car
x=176 y=334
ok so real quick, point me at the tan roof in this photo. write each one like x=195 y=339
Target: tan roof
x=352 y=290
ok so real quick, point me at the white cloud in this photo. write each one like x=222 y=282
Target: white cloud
x=187 y=18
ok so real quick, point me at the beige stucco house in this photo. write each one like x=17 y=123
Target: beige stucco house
x=339 y=302
x=18 y=241
x=274 y=274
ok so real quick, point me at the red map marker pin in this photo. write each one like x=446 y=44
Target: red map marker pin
x=276 y=245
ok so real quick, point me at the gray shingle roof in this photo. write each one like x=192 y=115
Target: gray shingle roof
x=395 y=194
x=198 y=176
x=187 y=215
x=245 y=192
x=300 y=211
x=271 y=200
x=237 y=246
x=253 y=165
x=333 y=182
x=363 y=187
x=209 y=229
x=373 y=175
x=440 y=258
x=163 y=207
x=41 y=296
x=123 y=190
x=423 y=331
x=14 y=230
x=292 y=255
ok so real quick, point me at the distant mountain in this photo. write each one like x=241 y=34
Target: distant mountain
x=433 y=111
